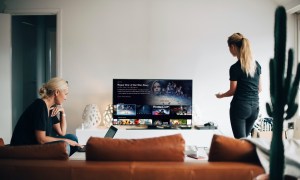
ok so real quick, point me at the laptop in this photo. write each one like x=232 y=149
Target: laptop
x=109 y=134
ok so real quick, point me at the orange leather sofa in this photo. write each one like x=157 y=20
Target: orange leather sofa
x=152 y=158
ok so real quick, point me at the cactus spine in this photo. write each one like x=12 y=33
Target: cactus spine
x=283 y=93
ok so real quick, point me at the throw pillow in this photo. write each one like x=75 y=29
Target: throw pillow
x=52 y=151
x=163 y=148
x=229 y=149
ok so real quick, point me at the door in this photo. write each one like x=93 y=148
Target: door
x=33 y=58
x=12 y=71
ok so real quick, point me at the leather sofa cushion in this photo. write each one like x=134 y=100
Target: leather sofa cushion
x=229 y=149
x=53 y=151
x=1 y=142
x=163 y=148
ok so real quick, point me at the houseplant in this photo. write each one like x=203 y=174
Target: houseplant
x=283 y=91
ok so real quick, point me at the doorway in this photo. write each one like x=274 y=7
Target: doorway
x=33 y=58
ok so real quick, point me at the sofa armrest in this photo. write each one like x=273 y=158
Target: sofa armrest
x=1 y=142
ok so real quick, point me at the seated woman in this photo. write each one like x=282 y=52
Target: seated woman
x=44 y=121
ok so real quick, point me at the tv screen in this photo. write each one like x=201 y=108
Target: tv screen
x=152 y=102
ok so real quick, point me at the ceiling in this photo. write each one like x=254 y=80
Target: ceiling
x=291 y=6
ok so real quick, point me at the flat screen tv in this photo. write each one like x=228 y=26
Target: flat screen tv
x=152 y=102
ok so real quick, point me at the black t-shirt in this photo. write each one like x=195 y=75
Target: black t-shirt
x=35 y=117
x=247 y=87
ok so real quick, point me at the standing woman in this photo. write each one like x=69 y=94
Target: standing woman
x=244 y=86
x=44 y=121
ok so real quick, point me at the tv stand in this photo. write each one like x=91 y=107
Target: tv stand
x=200 y=138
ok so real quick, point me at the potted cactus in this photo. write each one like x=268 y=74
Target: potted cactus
x=283 y=91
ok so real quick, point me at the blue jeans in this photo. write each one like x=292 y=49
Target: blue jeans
x=71 y=149
x=242 y=117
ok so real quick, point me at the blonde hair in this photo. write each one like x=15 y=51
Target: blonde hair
x=248 y=65
x=49 y=88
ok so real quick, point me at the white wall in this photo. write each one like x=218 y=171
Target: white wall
x=102 y=40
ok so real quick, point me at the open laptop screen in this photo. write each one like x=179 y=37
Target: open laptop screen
x=111 y=132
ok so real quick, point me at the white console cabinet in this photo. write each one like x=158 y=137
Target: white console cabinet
x=199 y=138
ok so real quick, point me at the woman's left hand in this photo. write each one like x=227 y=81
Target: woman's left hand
x=56 y=110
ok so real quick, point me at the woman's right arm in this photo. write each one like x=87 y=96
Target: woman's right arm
x=230 y=92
